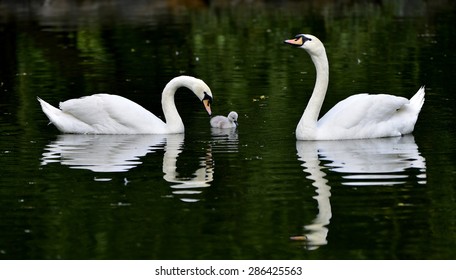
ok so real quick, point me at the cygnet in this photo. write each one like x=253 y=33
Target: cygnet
x=225 y=122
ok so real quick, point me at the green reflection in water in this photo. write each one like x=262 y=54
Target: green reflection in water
x=260 y=194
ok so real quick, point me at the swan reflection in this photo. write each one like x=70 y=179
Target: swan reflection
x=120 y=153
x=186 y=188
x=372 y=162
x=101 y=153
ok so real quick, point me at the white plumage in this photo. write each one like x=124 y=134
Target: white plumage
x=112 y=114
x=358 y=116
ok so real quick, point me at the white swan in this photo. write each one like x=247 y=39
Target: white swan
x=358 y=116
x=225 y=122
x=113 y=114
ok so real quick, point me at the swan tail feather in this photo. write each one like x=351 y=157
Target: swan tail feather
x=48 y=109
x=417 y=100
x=64 y=122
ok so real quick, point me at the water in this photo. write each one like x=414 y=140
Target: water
x=250 y=193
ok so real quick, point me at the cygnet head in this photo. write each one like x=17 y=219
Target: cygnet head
x=233 y=117
x=308 y=42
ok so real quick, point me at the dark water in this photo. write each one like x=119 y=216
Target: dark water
x=251 y=193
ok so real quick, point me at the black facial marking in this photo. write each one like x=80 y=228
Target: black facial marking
x=207 y=97
x=304 y=38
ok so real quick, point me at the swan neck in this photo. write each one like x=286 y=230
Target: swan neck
x=173 y=120
x=310 y=117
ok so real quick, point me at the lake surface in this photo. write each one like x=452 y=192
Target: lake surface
x=249 y=193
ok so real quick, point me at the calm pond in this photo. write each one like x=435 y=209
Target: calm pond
x=250 y=193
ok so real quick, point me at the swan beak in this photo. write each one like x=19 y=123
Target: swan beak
x=207 y=105
x=295 y=41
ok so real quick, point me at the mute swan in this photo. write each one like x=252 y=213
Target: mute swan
x=225 y=122
x=358 y=116
x=112 y=114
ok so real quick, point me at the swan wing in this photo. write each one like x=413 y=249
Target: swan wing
x=365 y=116
x=66 y=123
x=113 y=114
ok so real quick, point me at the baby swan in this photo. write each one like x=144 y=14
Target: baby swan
x=225 y=122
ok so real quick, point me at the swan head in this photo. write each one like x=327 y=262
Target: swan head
x=310 y=43
x=203 y=92
x=198 y=86
x=233 y=117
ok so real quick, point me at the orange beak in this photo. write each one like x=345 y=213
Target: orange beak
x=295 y=41
x=207 y=106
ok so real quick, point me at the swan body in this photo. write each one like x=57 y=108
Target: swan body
x=225 y=122
x=358 y=116
x=112 y=114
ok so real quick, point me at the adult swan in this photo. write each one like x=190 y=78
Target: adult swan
x=113 y=114
x=358 y=116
